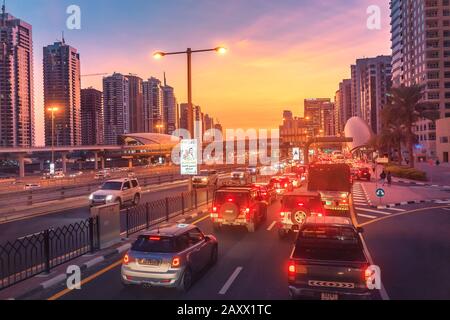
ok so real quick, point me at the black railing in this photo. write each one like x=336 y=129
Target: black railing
x=145 y=216
x=39 y=253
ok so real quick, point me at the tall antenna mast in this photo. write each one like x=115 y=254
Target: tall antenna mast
x=4 y=11
x=62 y=39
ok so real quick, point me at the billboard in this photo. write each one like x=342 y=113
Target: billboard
x=296 y=154
x=188 y=161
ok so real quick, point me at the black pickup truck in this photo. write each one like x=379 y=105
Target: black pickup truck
x=328 y=261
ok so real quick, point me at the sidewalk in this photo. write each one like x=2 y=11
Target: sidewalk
x=396 y=194
x=437 y=175
x=41 y=282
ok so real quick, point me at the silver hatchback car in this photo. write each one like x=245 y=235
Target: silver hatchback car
x=169 y=256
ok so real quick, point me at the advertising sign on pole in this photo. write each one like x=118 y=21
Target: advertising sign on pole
x=188 y=161
x=296 y=154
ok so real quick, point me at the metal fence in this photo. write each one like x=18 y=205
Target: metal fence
x=144 y=216
x=38 y=253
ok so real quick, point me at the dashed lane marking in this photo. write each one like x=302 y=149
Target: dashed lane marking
x=366 y=216
x=230 y=281
x=398 y=210
x=374 y=211
x=271 y=226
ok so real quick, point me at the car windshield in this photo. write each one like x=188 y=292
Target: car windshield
x=239 y=198
x=111 y=186
x=155 y=244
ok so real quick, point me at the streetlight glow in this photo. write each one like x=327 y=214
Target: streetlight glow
x=158 y=55
x=221 y=50
x=53 y=109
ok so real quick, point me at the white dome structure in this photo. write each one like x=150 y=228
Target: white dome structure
x=359 y=130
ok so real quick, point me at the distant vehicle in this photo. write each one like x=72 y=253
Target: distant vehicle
x=103 y=174
x=169 y=256
x=238 y=206
x=206 y=178
x=32 y=186
x=241 y=176
x=361 y=173
x=119 y=191
x=267 y=192
x=253 y=170
x=281 y=184
x=294 y=178
x=328 y=261
x=76 y=174
x=296 y=207
x=334 y=183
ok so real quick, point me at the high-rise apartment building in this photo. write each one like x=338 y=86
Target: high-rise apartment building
x=343 y=105
x=16 y=82
x=153 y=105
x=116 y=107
x=62 y=90
x=136 y=104
x=170 y=107
x=420 y=33
x=317 y=114
x=92 y=122
x=371 y=83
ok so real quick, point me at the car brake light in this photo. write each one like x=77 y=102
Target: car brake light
x=230 y=200
x=155 y=238
x=301 y=204
x=127 y=259
x=176 y=262
x=285 y=185
x=214 y=209
x=291 y=267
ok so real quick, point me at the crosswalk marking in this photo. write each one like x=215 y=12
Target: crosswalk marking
x=366 y=216
x=395 y=209
x=374 y=211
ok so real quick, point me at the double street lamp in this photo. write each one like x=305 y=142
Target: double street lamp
x=188 y=53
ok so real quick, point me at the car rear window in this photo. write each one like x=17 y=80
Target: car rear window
x=155 y=244
x=328 y=243
x=239 y=198
x=296 y=201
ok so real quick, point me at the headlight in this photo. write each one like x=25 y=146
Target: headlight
x=109 y=198
x=205 y=179
x=91 y=197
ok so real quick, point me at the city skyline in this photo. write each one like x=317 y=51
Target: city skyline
x=306 y=58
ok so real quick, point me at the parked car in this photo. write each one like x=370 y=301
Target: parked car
x=296 y=207
x=119 y=191
x=32 y=186
x=329 y=261
x=238 y=206
x=169 y=256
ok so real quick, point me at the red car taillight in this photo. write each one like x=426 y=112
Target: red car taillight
x=176 y=262
x=291 y=268
x=127 y=259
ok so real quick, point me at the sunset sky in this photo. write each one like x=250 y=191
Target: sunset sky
x=280 y=52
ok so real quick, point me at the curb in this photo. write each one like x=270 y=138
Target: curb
x=93 y=262
x=422 y=184
x=404 y=203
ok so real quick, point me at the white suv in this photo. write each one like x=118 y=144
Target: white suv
x=117 y=191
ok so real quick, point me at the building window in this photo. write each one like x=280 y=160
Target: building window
x=443 y=139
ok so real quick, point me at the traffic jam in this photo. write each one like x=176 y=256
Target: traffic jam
x=328 y=260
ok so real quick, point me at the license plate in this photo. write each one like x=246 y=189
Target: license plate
x=150 y=262
x=329 y=296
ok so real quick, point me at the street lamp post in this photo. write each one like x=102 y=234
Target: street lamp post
x=188 y=53
x=53 y=110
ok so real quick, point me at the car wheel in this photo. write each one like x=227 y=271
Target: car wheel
x=186 y=281
x=214 y=256
x=137 y=199
x=251 y=227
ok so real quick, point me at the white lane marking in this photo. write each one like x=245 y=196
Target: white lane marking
x=395 y=209
x=446 y=209
x=383 y=292
x=271 y=226
x=230 y=281
x=374 y=211
x=366 y=216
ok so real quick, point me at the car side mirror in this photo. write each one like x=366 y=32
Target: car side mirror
x=360 y=229
x=207 y=238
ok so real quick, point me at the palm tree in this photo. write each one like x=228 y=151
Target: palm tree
x=408 y=108
x=393 y=134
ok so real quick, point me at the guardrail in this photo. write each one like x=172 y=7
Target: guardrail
x=30 y=197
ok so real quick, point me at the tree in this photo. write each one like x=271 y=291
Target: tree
x=393 y=131
x=408 y=108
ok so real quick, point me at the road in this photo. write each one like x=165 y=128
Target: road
x=411 y=244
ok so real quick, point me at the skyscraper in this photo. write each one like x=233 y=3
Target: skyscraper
x=92 y=122
x=170 y=108
x=421 y=56
x=315 y=112
x=136 y=104
x=116 y=106
x=62 y=90
x=16 y=82
x=184 y=118
x=153 y=105
x=371 y=82
x=343 y=105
